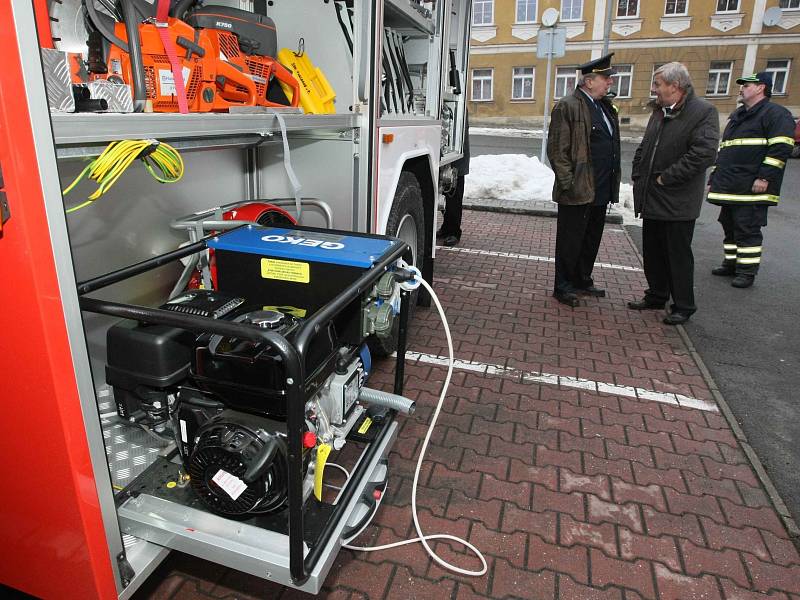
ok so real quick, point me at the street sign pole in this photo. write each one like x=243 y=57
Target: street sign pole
x=543 y=156
x=552 y=44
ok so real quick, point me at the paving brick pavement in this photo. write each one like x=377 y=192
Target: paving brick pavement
x=579 y=449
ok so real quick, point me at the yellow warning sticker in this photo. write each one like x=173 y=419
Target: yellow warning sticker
x=300 y=313
x=364 y=426
x=284 y=270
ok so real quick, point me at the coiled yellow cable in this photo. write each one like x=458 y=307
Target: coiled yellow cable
x=162 y=161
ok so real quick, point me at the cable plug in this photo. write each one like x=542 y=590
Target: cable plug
x=148 y=150
x=408 y=276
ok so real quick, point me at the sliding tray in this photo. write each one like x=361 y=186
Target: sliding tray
x=296 y=546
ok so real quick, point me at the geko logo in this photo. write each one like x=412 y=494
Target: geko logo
x=299 y=241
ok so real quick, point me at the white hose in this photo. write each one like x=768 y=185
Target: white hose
x=422 y=538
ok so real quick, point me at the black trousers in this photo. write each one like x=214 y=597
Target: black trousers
x=578 y=235
x=669 y=263
x=742 y=244
x=451 y=223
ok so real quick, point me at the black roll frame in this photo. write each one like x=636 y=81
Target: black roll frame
x=293 y=357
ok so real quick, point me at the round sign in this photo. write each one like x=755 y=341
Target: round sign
x=550 y=17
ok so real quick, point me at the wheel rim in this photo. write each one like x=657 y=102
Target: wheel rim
x=407 y=231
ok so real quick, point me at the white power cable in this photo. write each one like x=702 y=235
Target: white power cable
x=422 y=538
x=337 y=487
x=340 y=468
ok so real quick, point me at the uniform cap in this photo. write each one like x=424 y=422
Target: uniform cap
x=599 y=66
x=762 y=78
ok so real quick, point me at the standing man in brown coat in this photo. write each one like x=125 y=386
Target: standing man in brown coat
x=584 y=152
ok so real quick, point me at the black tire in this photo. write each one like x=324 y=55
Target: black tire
x=407 y=222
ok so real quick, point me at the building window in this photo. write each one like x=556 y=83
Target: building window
x=675 y=7
x=566 y=81
x=780 y=75
x=571 y=10
x=482 y=12
x=727 y=6
x=791 y=4
x=622 y=81
x=526 y=11
x=482 y=84
x=522 y=83
x=627 y=8
x=719 y=78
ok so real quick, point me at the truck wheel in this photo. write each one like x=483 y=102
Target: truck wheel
x=406 y=222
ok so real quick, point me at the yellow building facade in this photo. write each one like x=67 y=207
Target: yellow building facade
x=718 y=40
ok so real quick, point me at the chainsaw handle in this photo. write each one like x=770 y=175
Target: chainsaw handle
x=285 y=75
x=190 y=46
x=233 y=74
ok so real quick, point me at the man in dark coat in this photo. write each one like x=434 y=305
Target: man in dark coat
x=584 y=152
x=669 y=170
x=746 y=180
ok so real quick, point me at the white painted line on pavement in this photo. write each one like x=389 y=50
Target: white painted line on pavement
x=532 y=257
x=570 y=382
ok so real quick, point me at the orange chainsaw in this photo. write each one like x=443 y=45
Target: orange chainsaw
x=200 y=67
x=215 y=75
x=249 y=42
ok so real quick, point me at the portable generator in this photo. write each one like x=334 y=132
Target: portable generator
x=260 y=383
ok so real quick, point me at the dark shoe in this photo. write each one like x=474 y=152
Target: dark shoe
x=743 y=281
x=592 y=291
x=676 y=318
x=567 y=298
x=450 y=240
x=645 y=305
x=724 y=271
x=440 y=233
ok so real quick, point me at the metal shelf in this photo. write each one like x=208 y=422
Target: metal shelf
x=399 y=14
x=86 y=134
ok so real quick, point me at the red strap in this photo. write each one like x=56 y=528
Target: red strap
x=162 y=19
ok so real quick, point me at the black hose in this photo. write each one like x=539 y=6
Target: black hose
x=91 y=105
x=131 y=17
x=101 y=24
x=181 y=8
x=145 y=9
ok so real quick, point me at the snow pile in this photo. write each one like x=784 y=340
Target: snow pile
x=508 y=177
x=521 y=178
x=625 y=205
x=506 y=132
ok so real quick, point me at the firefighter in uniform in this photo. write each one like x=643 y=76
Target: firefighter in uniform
x=746 y=179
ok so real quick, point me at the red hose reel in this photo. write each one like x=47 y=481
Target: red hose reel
x=262 y=213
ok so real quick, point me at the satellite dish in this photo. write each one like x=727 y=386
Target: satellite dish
x=550 y=17
x=772 y=16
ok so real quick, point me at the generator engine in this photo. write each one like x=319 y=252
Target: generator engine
x=223 y=399
x=225 y=404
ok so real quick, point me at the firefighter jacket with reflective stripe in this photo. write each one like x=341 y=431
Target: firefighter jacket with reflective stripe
x=755 y=145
